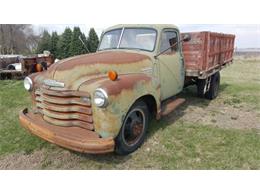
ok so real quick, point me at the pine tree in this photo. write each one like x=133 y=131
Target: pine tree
x=92 y=41
x=54 y=44
x=76 y=46
x=64 y=44
x=45 y=42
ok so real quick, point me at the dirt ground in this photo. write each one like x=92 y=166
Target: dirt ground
x=219 y=115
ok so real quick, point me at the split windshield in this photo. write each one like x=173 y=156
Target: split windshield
x=129 y=38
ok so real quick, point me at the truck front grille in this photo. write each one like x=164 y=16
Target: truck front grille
x=65 y=108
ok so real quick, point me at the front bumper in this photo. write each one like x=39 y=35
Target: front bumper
x=74 y=138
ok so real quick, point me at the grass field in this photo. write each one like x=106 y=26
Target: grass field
x=221 y=134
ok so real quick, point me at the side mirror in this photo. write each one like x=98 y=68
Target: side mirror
x=186 y=38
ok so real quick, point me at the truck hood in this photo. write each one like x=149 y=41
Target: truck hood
x=77 y=70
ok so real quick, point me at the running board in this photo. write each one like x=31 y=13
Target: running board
x=171 y=105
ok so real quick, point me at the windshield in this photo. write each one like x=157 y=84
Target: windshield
x=129 y=38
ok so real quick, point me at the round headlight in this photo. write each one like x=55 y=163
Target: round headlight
x=28 y=84
x=100 y=98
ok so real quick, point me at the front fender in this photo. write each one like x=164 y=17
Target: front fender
x=122 y=94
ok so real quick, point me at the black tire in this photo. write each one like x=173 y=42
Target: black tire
x=133 y=130
x=212 y=93
x=200 y=87
x=10 y=67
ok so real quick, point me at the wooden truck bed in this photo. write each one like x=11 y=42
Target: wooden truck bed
x=207 y=53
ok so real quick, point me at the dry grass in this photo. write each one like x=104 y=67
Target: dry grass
x=222 y=134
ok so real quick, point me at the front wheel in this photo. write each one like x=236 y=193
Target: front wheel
x=133 y=130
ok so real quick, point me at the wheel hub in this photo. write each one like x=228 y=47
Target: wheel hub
x=134 y=127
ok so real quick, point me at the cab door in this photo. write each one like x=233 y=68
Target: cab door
x=171 y=64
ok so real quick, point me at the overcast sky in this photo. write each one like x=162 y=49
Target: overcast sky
x=247 y=36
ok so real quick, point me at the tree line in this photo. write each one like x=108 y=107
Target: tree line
x=22 y=39
x=69 y=43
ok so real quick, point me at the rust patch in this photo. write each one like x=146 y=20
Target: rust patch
x=124 y=82
x=171 y=105
x=65 y=108
x=73 y=138
x=207 y=50
x=110 y=57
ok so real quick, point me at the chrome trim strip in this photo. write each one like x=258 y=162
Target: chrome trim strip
x=53 y=83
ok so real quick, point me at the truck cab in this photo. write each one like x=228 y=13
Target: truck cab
x=151 y=40
x=103 y=102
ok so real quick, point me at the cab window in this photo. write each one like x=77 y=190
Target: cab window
x=169 y=38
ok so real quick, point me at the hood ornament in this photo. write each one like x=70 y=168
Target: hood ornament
x=53 y=83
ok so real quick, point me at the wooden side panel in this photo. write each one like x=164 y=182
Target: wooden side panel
x=194 y=52
x=207 y=51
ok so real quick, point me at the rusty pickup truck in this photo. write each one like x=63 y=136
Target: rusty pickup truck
x=103 y=102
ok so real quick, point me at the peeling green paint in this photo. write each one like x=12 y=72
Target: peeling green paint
x=159 y=78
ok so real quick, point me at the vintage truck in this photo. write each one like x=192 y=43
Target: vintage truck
x=103 y=102
x=23 y=66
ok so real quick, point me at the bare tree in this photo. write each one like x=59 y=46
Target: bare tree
x=17 y=39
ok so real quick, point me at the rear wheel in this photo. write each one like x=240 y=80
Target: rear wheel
x=213 y=87
x=201 y=85
x=212 y=93
x=133 y=130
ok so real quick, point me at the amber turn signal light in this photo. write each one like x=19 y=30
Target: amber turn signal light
x=112 y=75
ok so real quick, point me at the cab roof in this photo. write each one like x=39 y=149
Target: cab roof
x=155 y=26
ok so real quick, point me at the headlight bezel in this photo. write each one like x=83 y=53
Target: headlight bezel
x=102 y=94
x=28 y=83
